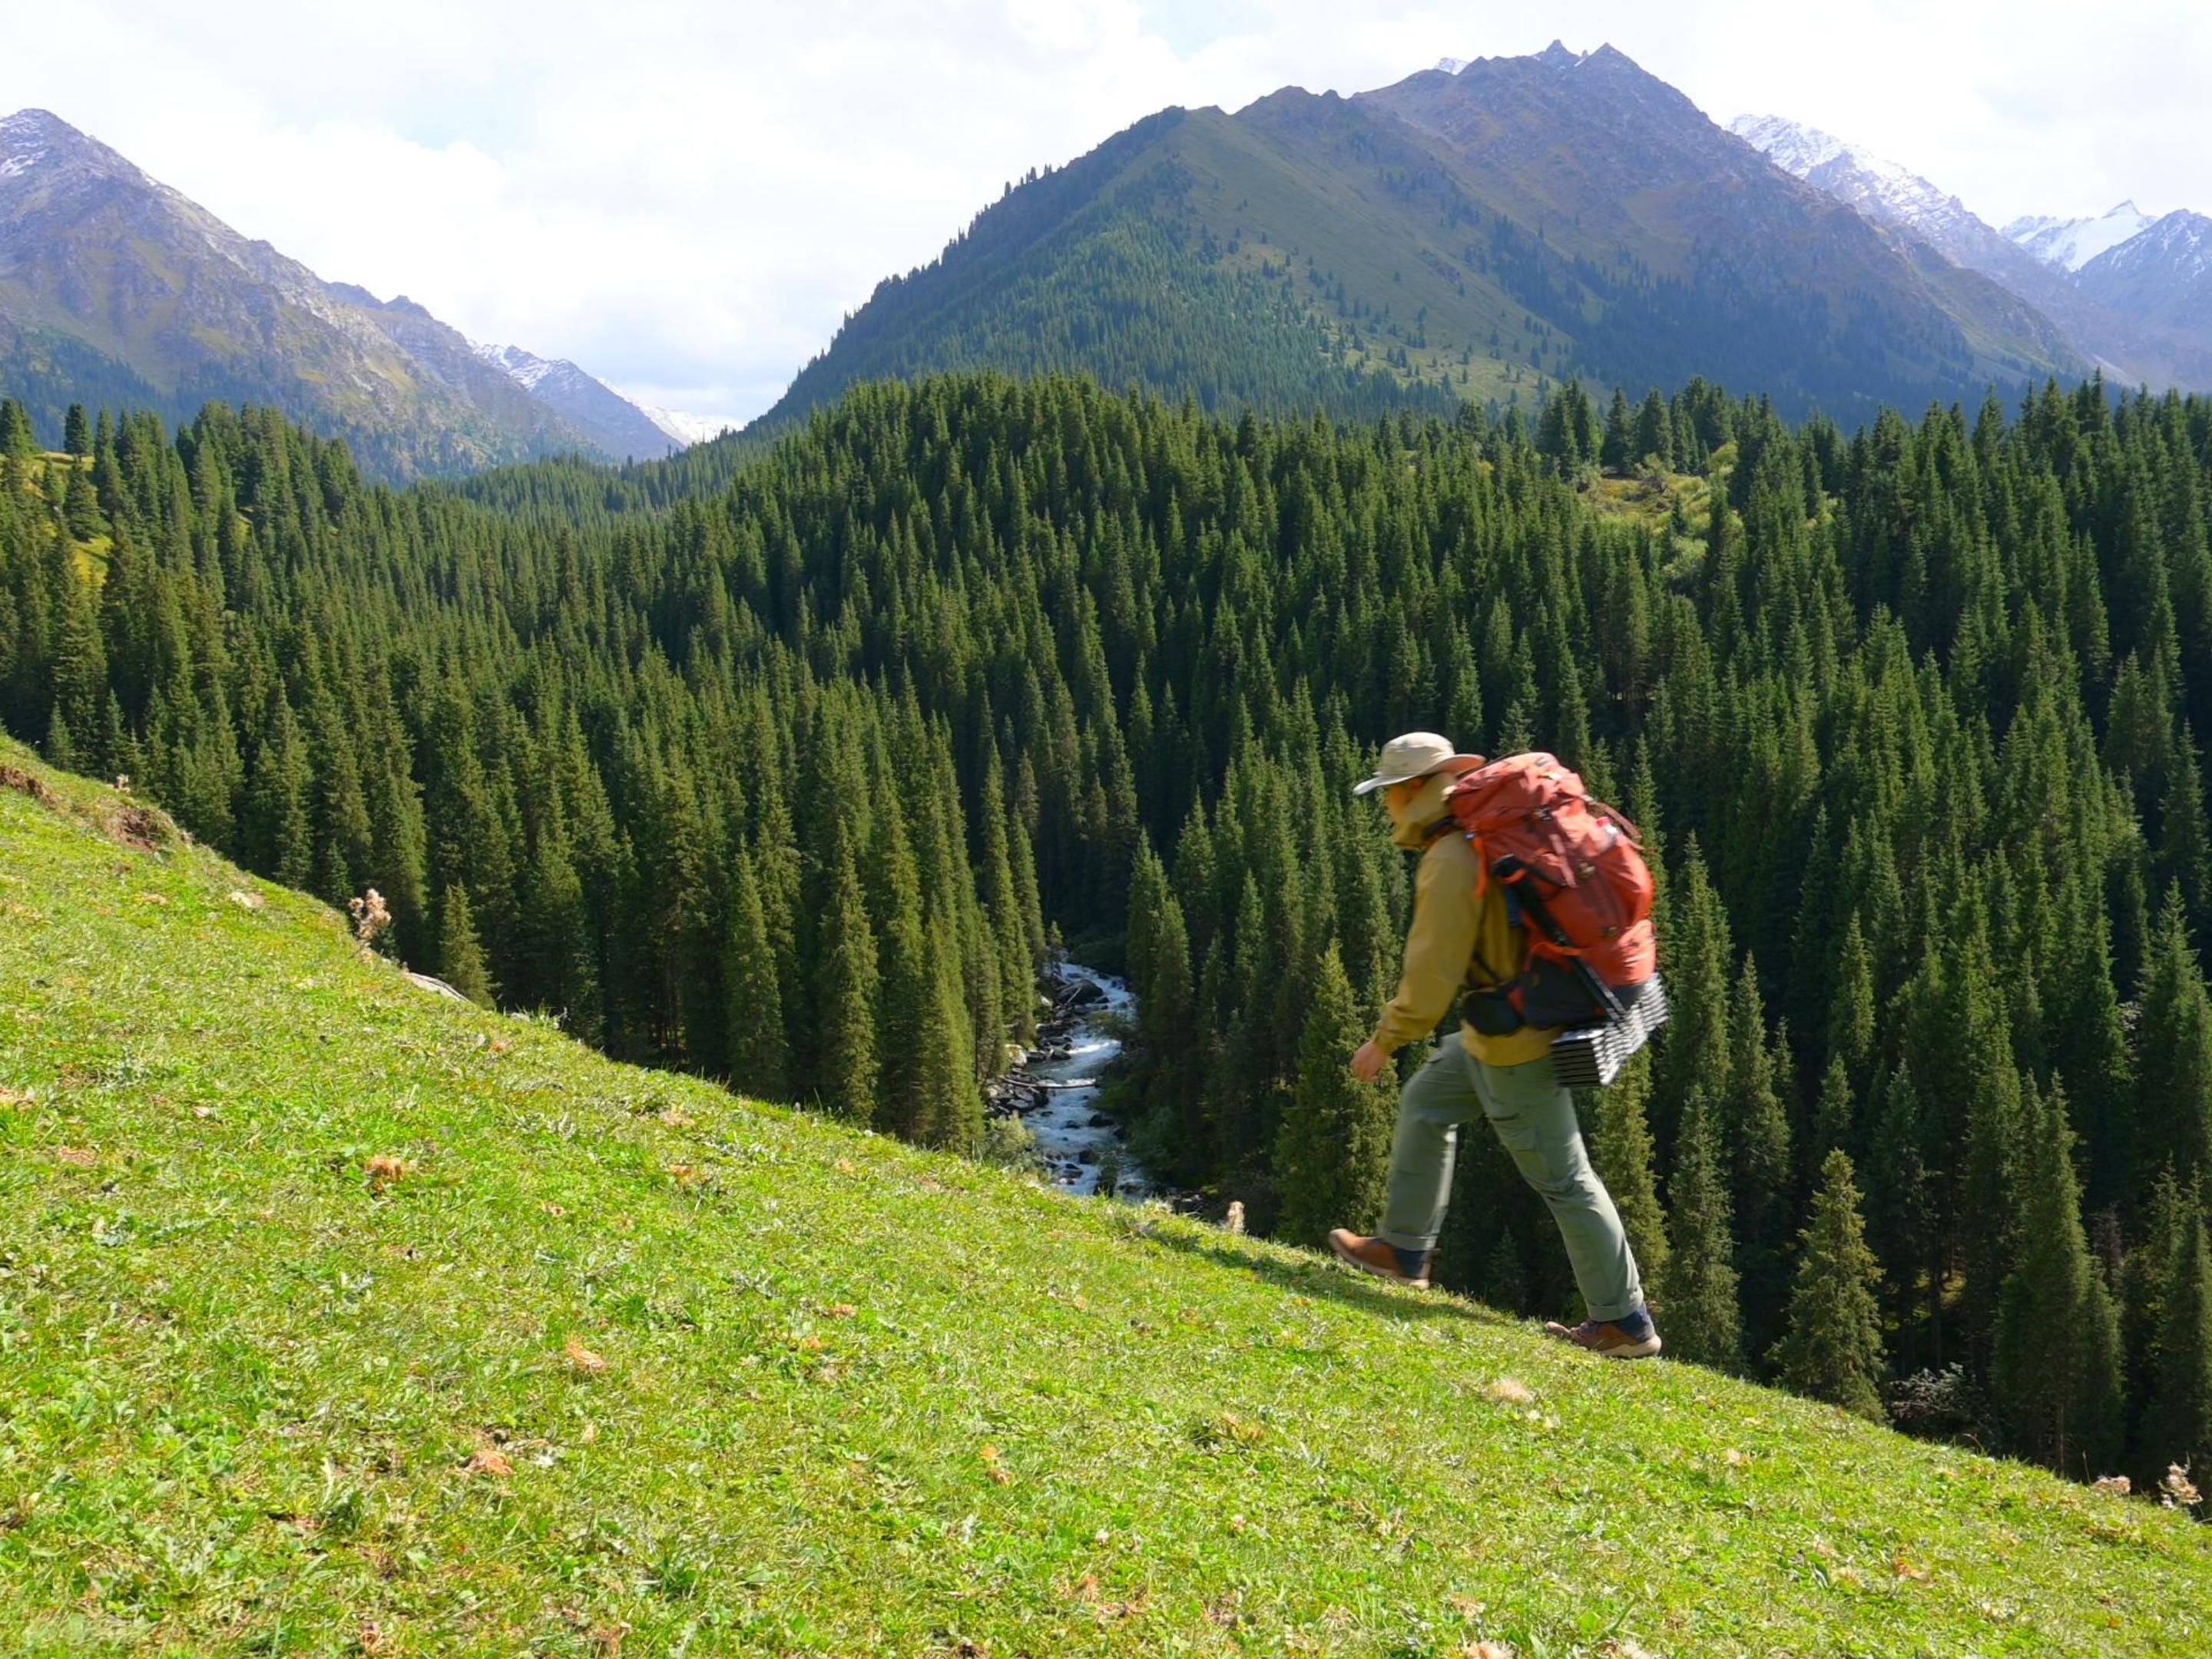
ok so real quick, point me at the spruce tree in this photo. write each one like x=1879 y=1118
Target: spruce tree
x=1899 y=1209
x=2173 y=1065
x=759 y=1065
x=1832 y=1349
x=2177 y=1420
x=1620 y=1151
x=2055 y=1367
x=460 y=953
x=1851 y=1013
x=1333 y=1152
x=945 y=1076
x=844 y=997
x=1694 y=1049
x=1697 y=1298
x=1758 y=1145
x=1831 y=1113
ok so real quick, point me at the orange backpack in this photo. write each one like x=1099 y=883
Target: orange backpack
x=1576 y=881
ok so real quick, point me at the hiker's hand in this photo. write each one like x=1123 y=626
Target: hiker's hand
x=1368 y=1064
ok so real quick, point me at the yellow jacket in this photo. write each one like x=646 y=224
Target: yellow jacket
x=1452 y=924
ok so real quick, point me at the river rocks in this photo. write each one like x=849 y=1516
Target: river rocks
x=1083 y=994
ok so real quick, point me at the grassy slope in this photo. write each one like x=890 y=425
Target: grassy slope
x=854 y=1398
x=1313 y=203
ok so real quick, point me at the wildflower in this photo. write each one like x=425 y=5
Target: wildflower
x=2176 y=1491
x=370 y=917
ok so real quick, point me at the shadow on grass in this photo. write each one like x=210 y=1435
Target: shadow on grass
x=1312 y=1276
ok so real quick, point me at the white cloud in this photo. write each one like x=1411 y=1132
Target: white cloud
x=685 y=197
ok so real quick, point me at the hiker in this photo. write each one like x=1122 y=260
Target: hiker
x=1461 y=920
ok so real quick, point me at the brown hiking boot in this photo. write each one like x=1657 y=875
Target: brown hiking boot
x=1633 y=1338
x=1372 y=1256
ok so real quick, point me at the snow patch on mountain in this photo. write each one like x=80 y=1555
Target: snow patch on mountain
x=685 y=430
x=1450 y=66
x=24 y=142
x=2070 y=244
x=525 y=368
x=2181 y=242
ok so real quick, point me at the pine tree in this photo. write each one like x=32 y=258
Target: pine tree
x=1333 y=1153
x=1832 y=1349
x=2055 y=1367
x=1699 y=1296
x=460 y=953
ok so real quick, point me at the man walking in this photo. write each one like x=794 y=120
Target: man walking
x=1463 y=935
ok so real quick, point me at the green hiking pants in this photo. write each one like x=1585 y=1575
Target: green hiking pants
x=1534 y=1118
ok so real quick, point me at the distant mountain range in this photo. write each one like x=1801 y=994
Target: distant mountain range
x=1479 y=230
x=2131 y=291
x=116 y=289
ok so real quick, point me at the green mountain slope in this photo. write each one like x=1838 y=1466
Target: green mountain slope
x=1481 y=235
x=609 y=1354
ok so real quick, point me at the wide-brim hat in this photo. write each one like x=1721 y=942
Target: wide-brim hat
x=1416 y=755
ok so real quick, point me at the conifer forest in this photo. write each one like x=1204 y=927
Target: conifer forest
x=791 y=764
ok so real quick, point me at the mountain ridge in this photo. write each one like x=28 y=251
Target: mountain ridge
x=1436 y=241
x=130 y=283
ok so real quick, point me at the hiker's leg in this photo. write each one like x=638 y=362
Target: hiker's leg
x=1534 y=1118
x=1436 y=1100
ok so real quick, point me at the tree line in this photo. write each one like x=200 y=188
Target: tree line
x=782 y=779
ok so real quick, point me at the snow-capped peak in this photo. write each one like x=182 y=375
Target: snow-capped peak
x=1450 y=66
x=1879 y=188
x=2069 y=243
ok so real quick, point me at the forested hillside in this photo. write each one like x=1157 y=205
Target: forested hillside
x=786 y=783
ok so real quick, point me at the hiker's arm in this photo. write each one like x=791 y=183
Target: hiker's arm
x=1438 y=950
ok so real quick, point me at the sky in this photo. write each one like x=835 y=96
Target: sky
x=687 y=199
